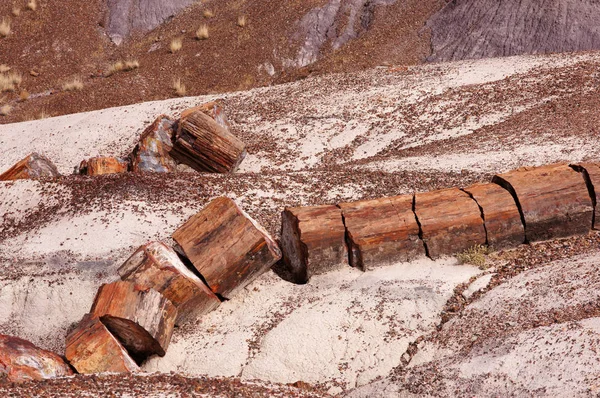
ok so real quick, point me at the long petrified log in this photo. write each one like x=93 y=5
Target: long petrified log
x=91 y=348
x=227 y=247
x=214 y=109
x=500 y=213
x=157 y=266
x=142 y=319
x=33 y=166
x=450 y=221
x=103 y=165
x=152 y=151
x=382 y=231
x=312 y=241
x=591 y=173
x=204 y=145
x=554 y=200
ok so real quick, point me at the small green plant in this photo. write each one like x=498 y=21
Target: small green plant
x=475 y=255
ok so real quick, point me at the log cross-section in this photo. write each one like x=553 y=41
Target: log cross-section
x=227 y=247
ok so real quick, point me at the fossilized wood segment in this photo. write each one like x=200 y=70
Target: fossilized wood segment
x=226 y=246
x=142 y=319
x=31 y=167
x=91 y=348
x=20 y=361
x=554 y=200
x=591 y=173
x=501 y=215
x=214 y=109
x=103 y=165
x=204 y=145
x=450 y=221
x=152 y=151
x=382 y=231
x=312 y=241
x=156 y=266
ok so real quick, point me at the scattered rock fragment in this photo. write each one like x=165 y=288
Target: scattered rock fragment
x=103 y=165
x=152 y=151
x=33 y=166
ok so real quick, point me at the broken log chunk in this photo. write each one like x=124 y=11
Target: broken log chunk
x=450 y=221
x=313 y=241
x=142 y=319
x=382 y=231
x=91 y=348
x=501 y=215
x=591 y=173
x=21 y=361
x=103 y=165
x=34 y=166
x=156 y=266
x=205 y=146
x=227 y=247
x=554 y=200
x=152 y=151
x=214 y=109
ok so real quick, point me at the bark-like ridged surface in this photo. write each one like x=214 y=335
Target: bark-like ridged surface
x=103 y=165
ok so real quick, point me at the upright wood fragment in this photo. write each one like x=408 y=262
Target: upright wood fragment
x=554 y=200
x=142 y=319
x=214 y=109
x=204 y=145
x=591 y=173
x=450 y=221
x=34 y=166
x=91 y=348
x=156 y=266
x=382 y=231
x=103 y=165
x=227 y=247
x=501 y=215
x=312 y=241
x=152 y=151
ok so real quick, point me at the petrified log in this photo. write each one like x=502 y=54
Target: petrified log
x=204 y=145
x=158 y=267
x=214 y=109
x=450 y=221
x=553 y=200
x=312 y=241
x=20 y=361
x=152 y=151
x=382 y=231
x=227 y=247
x=591 y=173
x=103 y=165
x=142 y=319
x=32 y=167
x=91 y=348
x=501 y=215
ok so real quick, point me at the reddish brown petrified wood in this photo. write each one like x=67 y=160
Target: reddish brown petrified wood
x=157 y=266
x=142 y=319
x=226 y=246
x=32 y=167
x=591 y=173
x=152 y=151
x=554 y=200
x=382 y=231
x=450 y=221
x=206 y=146
x=214 y=109
x=91 y=348
x=501 y=215
x=312 y=241
x=103 y=165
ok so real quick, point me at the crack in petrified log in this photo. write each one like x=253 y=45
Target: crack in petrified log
x=591 y=174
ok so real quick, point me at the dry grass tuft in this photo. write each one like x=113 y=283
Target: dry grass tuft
x=4 y=68
x=202 y=32
x=474 y=255
x=9 y=81
x=74 y=85
x=176 y=45
x=179 y=87
x=32 y=5
x=208 y=14
x=16 y=11
x=122 y=66
x=4 y=27
x=242 y=21
x=131 y=65
x=23 y=95
x=5 y=110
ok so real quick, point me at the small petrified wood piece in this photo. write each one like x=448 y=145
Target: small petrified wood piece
x=312 y=241
x=554 y=200
x=156 y=266
x=91 y=348
x=103 y=165
x=33 y=166
x=21 y=361
x=214 y=109
x=142 y=319
x=450 y=221
x=501 y=215
x=227 y=247
x=382 y=231
x=591 y=173
x=205 y=146
x=152 y=151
